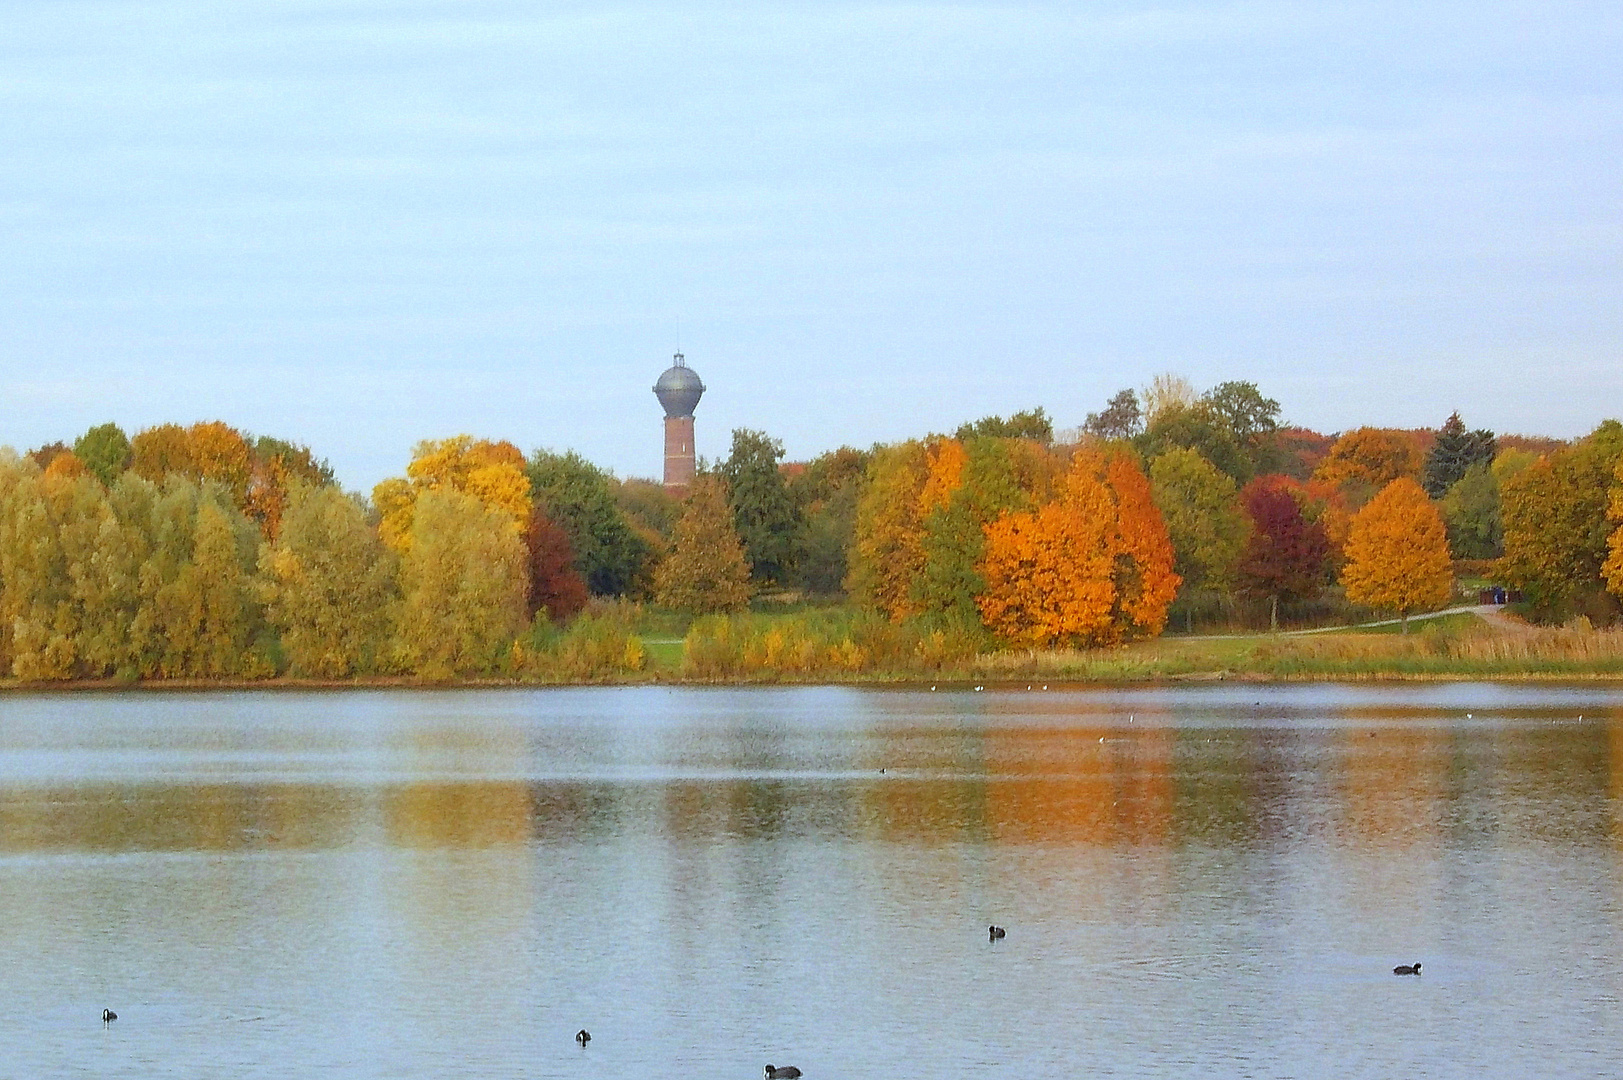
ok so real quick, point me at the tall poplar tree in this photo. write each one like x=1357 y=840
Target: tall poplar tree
x=463 y=587
x=328 y=582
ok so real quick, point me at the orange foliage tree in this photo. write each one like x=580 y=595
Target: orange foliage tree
x=1370 y=458
x=1397 y=552
x=1613 y=567
x=159 y=451
x=1094 y=566
x=220 y=453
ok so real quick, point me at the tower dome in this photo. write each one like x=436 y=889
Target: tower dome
x=679 y=388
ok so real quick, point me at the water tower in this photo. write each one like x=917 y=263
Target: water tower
x=679 y=390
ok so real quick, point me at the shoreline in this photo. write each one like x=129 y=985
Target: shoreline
x=947 y=683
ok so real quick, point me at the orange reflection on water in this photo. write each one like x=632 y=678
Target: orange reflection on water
x=1391 y=780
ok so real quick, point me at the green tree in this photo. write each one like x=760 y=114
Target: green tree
x=463 y=587
x=328 y=583
x=105 y=450
x=764 y=514
x=1249 y=419
x=706 y=572
x=580 y=498
x=827 y=492
x=1471 y=511
x=1201 y=507
x=1032 y=424
x=1453 y=452
x=1195 y=427
x=1121 y=418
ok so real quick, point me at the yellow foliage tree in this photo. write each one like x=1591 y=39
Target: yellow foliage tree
x=492 y=472
x=1397 y=552
x=1092 y=567
x=886 y=552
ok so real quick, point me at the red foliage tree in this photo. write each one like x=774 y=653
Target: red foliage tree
x=1285 y=557
x=555 y=584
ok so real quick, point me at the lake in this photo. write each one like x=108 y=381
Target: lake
x=1210 y=881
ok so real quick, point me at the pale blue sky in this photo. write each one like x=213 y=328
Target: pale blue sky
x=359 y=224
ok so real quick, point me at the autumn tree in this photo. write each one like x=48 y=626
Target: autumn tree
x=969 y=486
x=649 y=507
x=706 y=571
x=36 y=604
x=1397 y=552
x=278 y=466
x=1365 y=460
x=1453 y=452
x=463 y=586
x=1299 y=451
x=1092 y=566
x=1285 y=555
x=580 y=498
x=492 y=472
x=66 y=466
x=886 y=552
x=327 y=584
x=220 y=578
x=763 y=512
x=158 y=451
x=556 y=587
x=1612 y=570
x=105 y=450
x=1204 y=518
x=1555 y=525
x=221 y=453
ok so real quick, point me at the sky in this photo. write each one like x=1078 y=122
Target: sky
x=360 y=224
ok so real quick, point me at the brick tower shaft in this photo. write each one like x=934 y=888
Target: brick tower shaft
x=680 y=463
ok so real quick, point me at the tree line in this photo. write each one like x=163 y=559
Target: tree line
x=206 y=552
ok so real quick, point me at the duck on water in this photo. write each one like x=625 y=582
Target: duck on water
x=788 y=1072
x=1407 y=969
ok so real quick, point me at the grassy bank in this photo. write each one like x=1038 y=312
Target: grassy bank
x=625 y=645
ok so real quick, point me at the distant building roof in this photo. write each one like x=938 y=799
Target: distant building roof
x=679 y=388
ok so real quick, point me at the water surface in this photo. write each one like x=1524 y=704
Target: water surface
x=1208 y=881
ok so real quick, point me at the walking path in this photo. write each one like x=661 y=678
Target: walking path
x=1493 y=614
